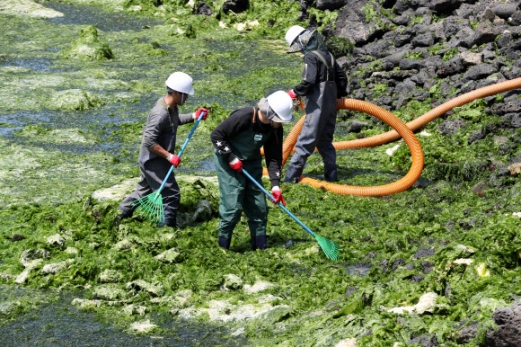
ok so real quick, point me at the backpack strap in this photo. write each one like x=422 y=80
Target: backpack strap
x=321 y=57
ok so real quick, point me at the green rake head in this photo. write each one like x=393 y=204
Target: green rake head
x=330 y=248
x=152 y=207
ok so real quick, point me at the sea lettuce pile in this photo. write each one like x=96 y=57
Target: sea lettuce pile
x=430 y=261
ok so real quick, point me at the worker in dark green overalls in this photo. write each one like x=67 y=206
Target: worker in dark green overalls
x=237 y=141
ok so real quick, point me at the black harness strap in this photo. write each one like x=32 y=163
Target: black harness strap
x=325 y=62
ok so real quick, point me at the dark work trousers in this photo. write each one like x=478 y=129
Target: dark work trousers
x=152 y=176
x=317 y=132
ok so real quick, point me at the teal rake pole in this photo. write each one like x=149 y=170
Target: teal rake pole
x=330 y=248
x=153 y=203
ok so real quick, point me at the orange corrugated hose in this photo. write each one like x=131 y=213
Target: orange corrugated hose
x=429 y=116
x=414 y=173
x=402 y=129
x=387 y=117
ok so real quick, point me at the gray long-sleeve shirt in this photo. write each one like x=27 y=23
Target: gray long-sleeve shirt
x=161 y=129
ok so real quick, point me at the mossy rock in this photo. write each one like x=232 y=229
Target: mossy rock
x=73 y=100
x=109 y=292
x=339 y=46
x=88 y=47
x=9 y=307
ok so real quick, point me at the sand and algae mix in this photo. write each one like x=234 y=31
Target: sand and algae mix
x=77 y=81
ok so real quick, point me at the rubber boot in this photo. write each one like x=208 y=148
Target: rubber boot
x=125 y=214
x=224 y=242
x=330 y=174
x=122 y=215
x=171 y=222
x=260 y=242
x=293 y=174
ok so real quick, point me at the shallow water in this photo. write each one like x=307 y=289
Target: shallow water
x=360 y=269
x=88 y=121
x=92 y=15
x=52 y=320
x=36 y=64
x=58 y=323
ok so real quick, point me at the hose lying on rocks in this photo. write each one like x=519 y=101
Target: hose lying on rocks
x=400 y=130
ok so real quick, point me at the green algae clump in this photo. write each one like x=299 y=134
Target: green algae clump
x=74 y=100
x=88 y=47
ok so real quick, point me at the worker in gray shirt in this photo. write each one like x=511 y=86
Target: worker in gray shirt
x=158 y=145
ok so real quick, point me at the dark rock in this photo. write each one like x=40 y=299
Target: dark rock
x=488 y=15
x=351 y=23
x=486 y=32
x=330 y=4
x=515 y=20
x=402 y=6
x=417 y=278
x=513 y=106
x=446 y=291
x=384 y=100
x=508 y=332
x=479 y=72
x=17 y=237
x=378 y=49
x=420 y=95
x=423 y=252
x=424 y=340
x=384 y=264
x=404 y=19
x=424 y=40
x=468 y=87
x=236 y=6
x=421 y=78
x=476 y=136
x=516 y=121
x=451 y=26
x=356 y=126
x=204 y=9
x=468 y=333
x=410 y=64
x=402 y=40
x=397 y=263
x=451 y=67
x=505 y=10
x=504 y=40
x=446 y=89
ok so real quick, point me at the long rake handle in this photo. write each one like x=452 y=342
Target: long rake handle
x=182 y=149
x=279 y=203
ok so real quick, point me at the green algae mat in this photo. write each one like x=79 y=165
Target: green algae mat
x=74 y=96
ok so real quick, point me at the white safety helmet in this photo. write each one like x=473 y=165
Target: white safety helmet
x=293 y=33
x=282 y=105
x=180 y=82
